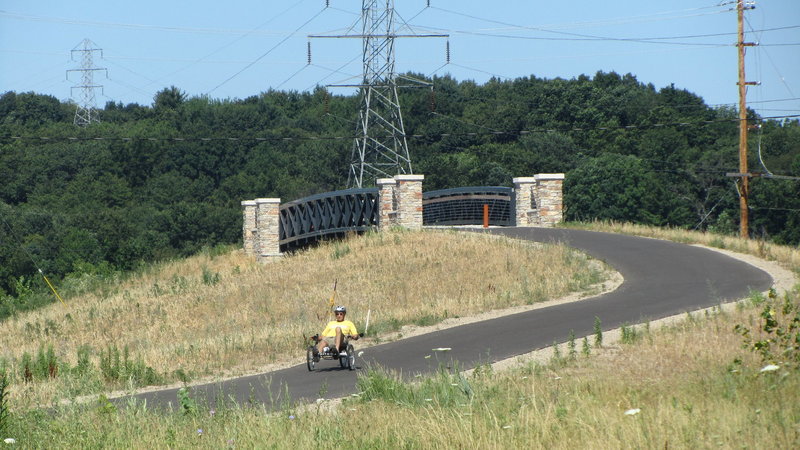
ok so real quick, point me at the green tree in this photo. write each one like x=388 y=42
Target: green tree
x=613 y=187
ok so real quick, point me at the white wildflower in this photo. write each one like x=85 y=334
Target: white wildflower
x=10 y=441
x=769 y=368
x=633 y=412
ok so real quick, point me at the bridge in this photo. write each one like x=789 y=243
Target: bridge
x=270 y=227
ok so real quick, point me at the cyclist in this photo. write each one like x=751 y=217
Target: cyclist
x=335 y=332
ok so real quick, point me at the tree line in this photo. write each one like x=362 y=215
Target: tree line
x=152 y=182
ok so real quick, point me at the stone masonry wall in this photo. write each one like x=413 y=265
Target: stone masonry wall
x=249 y=230
x=539 y=200
x=549 y=198
x=268 y=225
x=409 y=201
x=387 y=216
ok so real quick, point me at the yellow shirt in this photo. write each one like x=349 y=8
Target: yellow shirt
x=348 y=328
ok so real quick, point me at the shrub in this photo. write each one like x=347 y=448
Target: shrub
x=779 y=341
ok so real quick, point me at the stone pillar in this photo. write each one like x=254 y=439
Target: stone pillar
x=387 y=202
x=268 y=224
x=249 y=230
x=525 y=209
x=549 y=198
x=409 y=201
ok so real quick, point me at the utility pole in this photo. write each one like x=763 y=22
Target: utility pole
x=744 y=185
x=85 y=112
x=380 y=148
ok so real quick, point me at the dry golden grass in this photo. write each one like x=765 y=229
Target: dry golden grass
x=788 y=256
x=247 y=315
x=682 y=379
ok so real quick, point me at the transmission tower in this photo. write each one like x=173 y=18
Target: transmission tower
x=85 y=112
x=380 y=148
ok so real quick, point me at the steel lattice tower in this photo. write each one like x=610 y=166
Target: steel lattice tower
x=85 y=112
x=380 y=148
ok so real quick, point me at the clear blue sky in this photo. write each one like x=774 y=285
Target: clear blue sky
x=239 y=48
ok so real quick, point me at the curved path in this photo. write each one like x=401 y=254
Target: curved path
x=661 y=279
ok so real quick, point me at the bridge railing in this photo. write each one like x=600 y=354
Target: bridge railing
x=332 y=213
x=270 y=228
x=465 y=205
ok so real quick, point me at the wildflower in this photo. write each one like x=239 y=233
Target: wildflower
x=556 y=377
x=769 y=368
x=633 y=412
x=524 y=378
x=199 y=431
x=10 y=441
x=427 y=356
x=291 y=417
x=360 y=353
x=212 y=412
x=320 y=400
x=428 y=399
x=505 y=427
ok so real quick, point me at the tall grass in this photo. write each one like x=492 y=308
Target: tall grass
x=690 y=385
x=218 y=314
x=788 y=256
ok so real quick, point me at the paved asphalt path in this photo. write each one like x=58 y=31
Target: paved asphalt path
x=661 y=279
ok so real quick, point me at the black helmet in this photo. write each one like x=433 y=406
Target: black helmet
x=340 y=308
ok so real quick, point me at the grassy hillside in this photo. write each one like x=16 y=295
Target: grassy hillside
x=216 y=315
x=690 y=385
x=724 y=378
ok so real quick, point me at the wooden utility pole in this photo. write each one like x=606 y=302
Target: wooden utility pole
x=744 y=186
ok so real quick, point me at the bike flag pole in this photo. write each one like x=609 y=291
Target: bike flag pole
x=332 y=300
x=366 y=327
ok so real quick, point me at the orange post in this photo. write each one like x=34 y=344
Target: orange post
x=485 y=216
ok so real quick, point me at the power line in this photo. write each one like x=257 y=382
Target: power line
x=267 y=52
x=571 y=36
x=68 y=21
x=414 y=136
